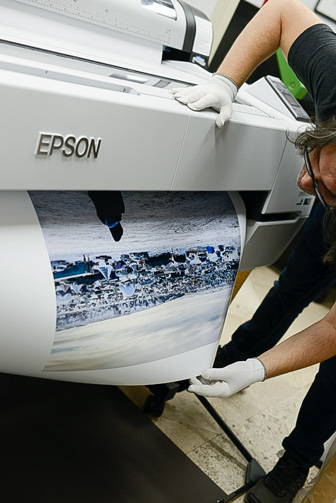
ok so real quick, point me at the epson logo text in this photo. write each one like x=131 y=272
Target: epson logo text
x=68 y=146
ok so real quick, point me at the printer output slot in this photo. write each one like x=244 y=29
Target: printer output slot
x=97 y=68
x=84 y=79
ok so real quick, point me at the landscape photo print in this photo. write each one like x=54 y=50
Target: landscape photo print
x=139 y=276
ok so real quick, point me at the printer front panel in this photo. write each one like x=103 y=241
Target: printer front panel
x=241 y=156
x=62 y=136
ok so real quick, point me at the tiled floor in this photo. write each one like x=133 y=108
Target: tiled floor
x=261 y=415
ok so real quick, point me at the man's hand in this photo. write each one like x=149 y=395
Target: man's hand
x=228 y=380
x=218 y=94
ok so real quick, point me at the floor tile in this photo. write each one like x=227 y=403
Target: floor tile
x=261 y=416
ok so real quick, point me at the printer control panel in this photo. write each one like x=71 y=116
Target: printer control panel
x=273 y=92
x=288 y=99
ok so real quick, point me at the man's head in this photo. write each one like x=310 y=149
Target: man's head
x=318 y=176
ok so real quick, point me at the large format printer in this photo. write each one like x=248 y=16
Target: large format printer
x=86 y=105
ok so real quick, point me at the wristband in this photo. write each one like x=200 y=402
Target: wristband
x=265 y=373
x=226 y=78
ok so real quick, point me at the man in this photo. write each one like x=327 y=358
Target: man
x=311 y=50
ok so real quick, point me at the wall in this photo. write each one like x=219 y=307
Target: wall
x=311 y=4
x=206 y=6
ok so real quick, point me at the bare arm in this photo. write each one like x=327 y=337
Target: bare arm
x=277 y=24
x=313 y=345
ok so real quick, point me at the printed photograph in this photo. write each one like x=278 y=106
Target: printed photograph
x=139 y=276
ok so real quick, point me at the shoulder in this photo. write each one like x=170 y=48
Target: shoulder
x=312 y=56
x=317 y=38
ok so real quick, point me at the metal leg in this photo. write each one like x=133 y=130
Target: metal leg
x=254 y=471
x=154 y=407
x=229 y=433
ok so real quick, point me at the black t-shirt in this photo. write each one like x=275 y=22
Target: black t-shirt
x=313 y=58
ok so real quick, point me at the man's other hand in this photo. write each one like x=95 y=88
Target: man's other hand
x=227 y=381
x=218 y=94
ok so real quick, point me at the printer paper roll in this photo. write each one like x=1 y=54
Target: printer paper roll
x=122 y=288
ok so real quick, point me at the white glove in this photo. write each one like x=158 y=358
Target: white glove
x=218 y=94
x=228 y=380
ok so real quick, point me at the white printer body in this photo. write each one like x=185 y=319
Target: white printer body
x=85 y=101
x=86 y=105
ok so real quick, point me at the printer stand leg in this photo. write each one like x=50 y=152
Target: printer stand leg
x=154 y=407
x=254 y=470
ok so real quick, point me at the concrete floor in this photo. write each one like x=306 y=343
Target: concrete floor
x=261 y=415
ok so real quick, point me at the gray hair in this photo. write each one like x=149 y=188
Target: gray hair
x=319 y=136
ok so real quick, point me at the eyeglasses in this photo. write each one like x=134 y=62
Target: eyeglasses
x=312 y=176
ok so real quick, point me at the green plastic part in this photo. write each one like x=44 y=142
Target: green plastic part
x=289 y=78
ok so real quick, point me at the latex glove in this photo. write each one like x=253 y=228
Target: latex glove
x=218 y=94
x=227 y=381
